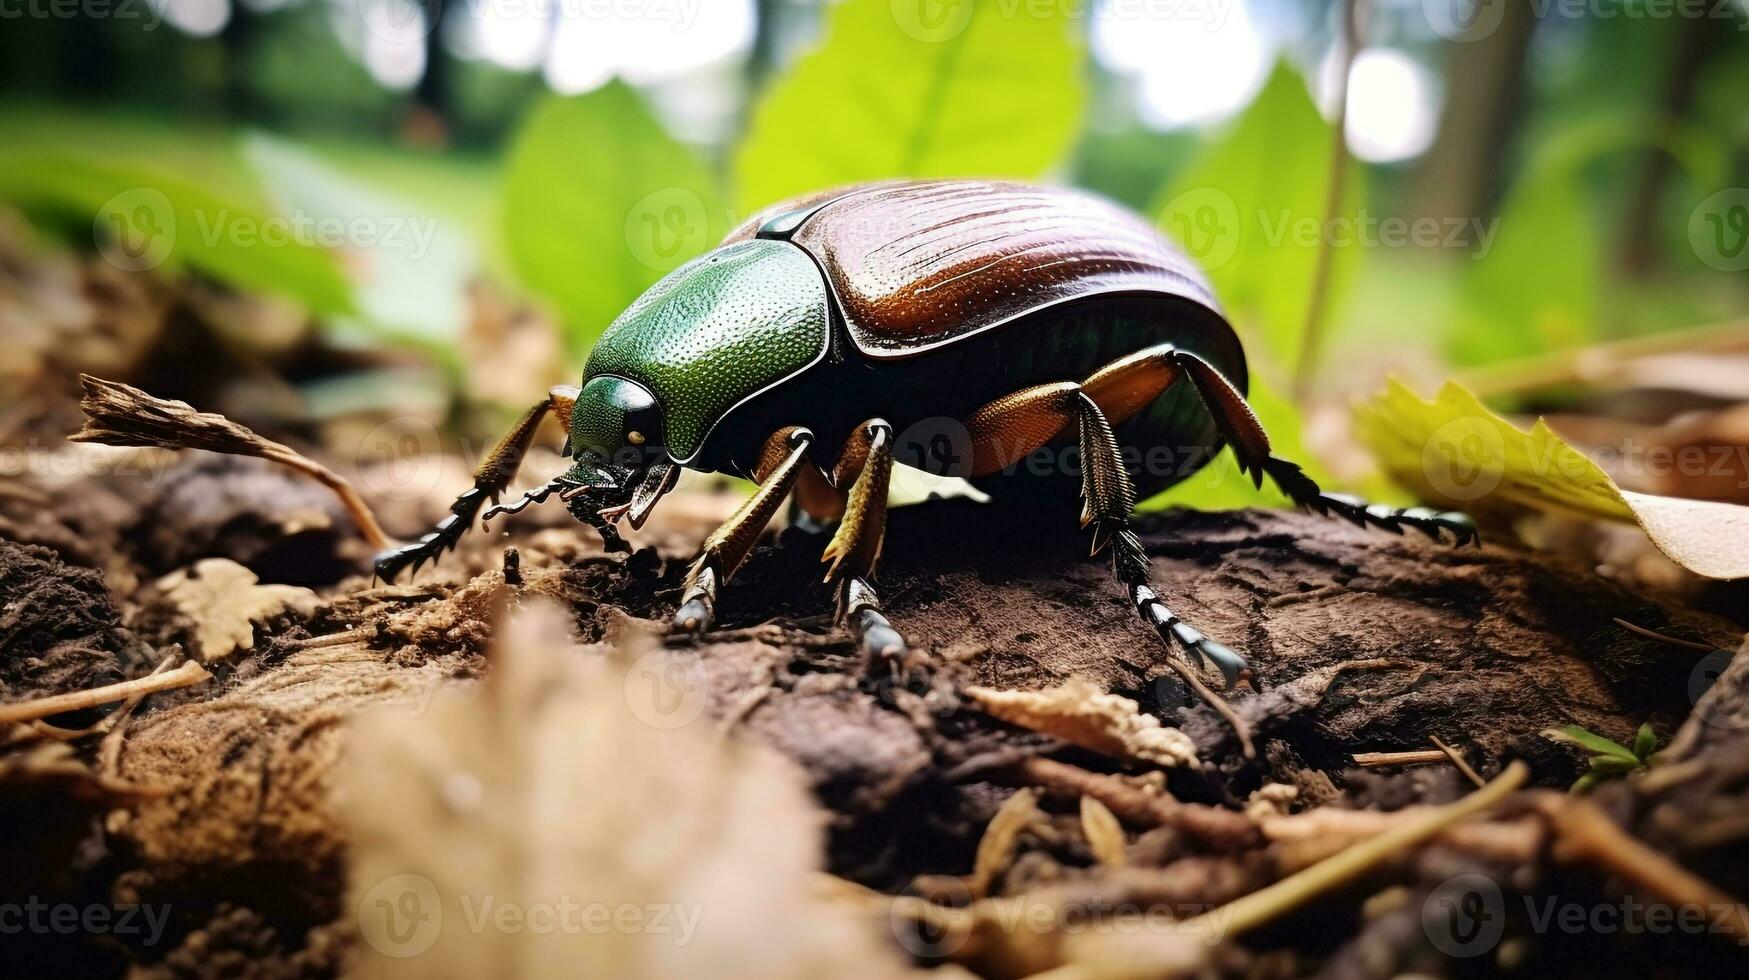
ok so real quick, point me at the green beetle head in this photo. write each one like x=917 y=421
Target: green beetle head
x=701 y=341
x=620 y=444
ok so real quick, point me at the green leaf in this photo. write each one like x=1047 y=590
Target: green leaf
x=601 y=203
x=410 y=268
x=1592 y=742
x=141 y=219
x=1251 y=209
x=1612 y=765
x=1456 y=453
x=1645 y=742
x=918 y=89
x=1524 y=296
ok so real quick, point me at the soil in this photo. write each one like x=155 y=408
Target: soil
x=1361 y=642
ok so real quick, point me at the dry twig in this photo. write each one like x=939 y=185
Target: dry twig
x=183 y=676
x=1585 y=833
x=1213 y=827
x=121 y=415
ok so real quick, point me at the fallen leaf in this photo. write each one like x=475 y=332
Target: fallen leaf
x=225 y=601
x=1456 y=453
x=1081 y=714
x=996 y=848
x=555 y=822
x=1104 y=833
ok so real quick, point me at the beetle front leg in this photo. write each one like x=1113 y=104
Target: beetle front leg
x=856 y=547
x=784 y=458
x=1242 y=430
x=491 y=478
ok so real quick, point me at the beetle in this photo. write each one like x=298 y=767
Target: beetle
x=969 y=328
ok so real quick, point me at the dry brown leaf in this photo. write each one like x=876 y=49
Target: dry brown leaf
x=1104 y=833
x=225 y=601
x=1081 y=714
x=996 y=848
x=553 y=823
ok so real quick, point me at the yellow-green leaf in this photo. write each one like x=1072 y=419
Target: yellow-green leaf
x=1592 y=742
x=918 y=89
x=1456 y=453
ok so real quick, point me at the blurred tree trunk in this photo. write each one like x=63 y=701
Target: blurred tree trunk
x=1694 y=43
x=432 y=90
x=1463 y=174
x=237 y=39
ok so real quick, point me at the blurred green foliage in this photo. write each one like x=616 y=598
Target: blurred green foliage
x=584 y=201
x=600 y=202
x=144 y=218
x=891 y=93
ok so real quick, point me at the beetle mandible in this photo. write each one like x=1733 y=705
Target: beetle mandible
x=832 y=333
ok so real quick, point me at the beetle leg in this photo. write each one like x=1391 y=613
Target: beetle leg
x=1109 y=498
x=493 y=475
x=782 y=462
x=1009 y=428
x=856 y=547
x=1239 y=425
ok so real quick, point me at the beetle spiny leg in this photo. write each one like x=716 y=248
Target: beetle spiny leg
x=442 y=538
x=1303 y=490
x=1196 y=646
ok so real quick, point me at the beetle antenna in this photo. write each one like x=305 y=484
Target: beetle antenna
x=522 y=503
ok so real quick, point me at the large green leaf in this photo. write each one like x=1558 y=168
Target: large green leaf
x=141 y=219
x=1536 y=289
x=1251 y=208
x=410 y=267
x=601 y=203
x=918 y=88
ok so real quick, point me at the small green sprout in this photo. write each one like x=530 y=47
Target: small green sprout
x=1609 y=759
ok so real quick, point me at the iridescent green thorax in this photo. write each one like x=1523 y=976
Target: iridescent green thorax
x=716 y=330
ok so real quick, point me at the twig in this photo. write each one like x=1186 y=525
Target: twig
x=1241 y=728
x=1600 y=362
x=183 y=676
x=1218 y=829
x=116 y=726
x=1458 y=760
x=1651 y=634
x=121 y=415
x=1415 y=757
x=1289 y=893
x=1586 y=833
